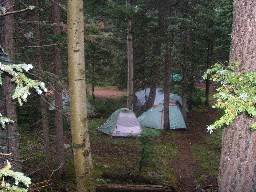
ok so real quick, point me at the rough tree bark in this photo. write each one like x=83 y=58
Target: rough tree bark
x=2 y=97
x=77 y=90
x=8 y=44
x=238 y=155
x=58 y=96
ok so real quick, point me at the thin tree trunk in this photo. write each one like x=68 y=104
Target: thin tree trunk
x=238 y=155
x=167 y=86
x=208 y=65
x=154 y=74
x=184 y=108
x=191 y=85
x=58 y=97
x=185 y=69
x=8 y=44
x=43 y=104
x=130 y=61
x=93 y=78
x=2 y=99
x=152 y=88
x=77 y=90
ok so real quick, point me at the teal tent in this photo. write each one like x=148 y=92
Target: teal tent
x=154 y=117
x=122 y=123
x=176 y=77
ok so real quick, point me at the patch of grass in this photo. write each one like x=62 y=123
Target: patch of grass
x=147 y=152
x=207 y=160
x=165 y=154
x=214 y=139
x=119 y=155
x=93 y=124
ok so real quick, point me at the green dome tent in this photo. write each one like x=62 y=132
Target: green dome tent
x=154 y=117
x=122 y=123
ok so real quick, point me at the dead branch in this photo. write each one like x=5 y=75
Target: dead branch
x=134 y=188
x=18 y=11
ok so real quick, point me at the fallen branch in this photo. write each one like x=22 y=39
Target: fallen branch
x=133 y=188
x=136 y=179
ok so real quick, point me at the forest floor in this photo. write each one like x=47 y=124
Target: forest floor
x=186 y=160
x=195 y=164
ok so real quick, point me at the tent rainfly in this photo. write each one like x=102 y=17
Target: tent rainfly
x=142 y=96
x=122 y=123
x=154 y=117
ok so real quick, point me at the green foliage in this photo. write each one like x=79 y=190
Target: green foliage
x=4 y=121
x=23 y=83
x=108 y=106
x=198 y=97
x=17 y=176
x=236 y=95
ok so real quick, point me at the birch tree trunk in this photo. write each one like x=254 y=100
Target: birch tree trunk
x=77 y=90
x=238 y=155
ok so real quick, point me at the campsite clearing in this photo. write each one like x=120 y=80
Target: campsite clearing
x=184 y=159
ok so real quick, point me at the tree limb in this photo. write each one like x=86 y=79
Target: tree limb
x=18 y=11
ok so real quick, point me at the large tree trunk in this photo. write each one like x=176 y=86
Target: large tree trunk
x=130 y=62
x=238 y=155
x=8 y=44
x=58 y=96
x=77 y=90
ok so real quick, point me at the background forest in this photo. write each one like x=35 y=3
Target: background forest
x=188 y=36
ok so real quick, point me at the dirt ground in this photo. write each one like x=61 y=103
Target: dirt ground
x=185 y=166
x=107 y=92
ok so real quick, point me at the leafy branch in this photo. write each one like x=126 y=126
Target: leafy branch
x=23 y=83
x=18 y=177
x=236 y=94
